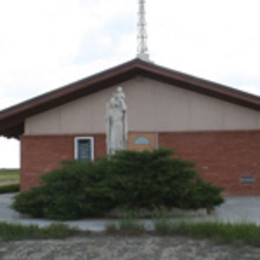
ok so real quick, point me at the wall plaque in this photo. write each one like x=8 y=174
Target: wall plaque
x=247 y=179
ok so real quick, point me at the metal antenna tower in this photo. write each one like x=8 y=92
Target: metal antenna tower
x=142 y=49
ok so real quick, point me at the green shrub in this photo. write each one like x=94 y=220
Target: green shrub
x=75 y=191
x=129 y=180
x=15 y=187
x=157 y=179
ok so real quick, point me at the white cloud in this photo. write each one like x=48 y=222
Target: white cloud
x=207 y=38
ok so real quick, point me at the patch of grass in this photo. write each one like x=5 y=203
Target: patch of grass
x=129 y=225
x=161 y=220
x=9 y=176
x=222 y=233
x=111 y=228
x=9 y=232
x=236 y=234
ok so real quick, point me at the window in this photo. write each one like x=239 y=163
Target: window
x=84 y=148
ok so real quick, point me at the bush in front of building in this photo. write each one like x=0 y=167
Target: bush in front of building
x=157 y=178
x=76 y=190
x=128 y=180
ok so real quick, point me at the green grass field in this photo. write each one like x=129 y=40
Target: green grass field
x=9 y=176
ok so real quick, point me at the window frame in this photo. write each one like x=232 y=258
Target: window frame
x=76 y=146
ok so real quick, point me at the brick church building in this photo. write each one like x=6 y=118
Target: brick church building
x=214 y=125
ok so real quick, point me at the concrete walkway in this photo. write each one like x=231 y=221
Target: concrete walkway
x=235 y=209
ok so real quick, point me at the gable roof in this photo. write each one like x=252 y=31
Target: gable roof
x=12 y=119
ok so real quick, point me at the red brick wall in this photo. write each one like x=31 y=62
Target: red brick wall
x=41 y=154
x=222 y=157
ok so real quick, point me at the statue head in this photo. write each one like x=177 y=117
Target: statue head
x=119 y=89
x=119 y=93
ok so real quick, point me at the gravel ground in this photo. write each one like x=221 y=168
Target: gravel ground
x=104 y=247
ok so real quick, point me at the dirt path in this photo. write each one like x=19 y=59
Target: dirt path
x=98 y=247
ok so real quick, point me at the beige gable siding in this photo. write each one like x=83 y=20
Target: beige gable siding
x=152 y=106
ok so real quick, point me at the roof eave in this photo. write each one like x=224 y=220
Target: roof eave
x=12 y=119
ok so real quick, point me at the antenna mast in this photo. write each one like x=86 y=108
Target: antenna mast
x=142 y=49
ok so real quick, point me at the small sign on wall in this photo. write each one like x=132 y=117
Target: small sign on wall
x=140 y=141
x=247 y=179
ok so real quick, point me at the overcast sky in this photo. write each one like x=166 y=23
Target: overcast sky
x=46 y=44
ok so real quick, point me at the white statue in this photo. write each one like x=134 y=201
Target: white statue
x=116 y=123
